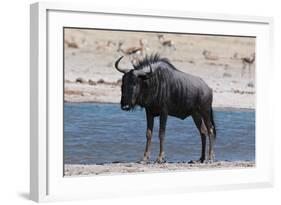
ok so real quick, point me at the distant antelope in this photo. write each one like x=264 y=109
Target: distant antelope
x=209 y=55
x=71 y=44
x=131 y=50
x=166 y=43
x=247 y=61
x=105 y=46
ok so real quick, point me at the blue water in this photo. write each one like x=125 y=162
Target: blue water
x=103 y=133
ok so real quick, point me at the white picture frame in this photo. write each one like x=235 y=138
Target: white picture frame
x=46 y=177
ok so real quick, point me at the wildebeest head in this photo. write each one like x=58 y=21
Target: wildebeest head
x=131 y=84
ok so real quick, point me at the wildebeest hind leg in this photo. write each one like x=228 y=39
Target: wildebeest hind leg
x=203 y=131
x=210 y=128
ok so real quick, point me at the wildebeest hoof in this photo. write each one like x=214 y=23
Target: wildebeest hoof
x=144 y=161
x=160 y=160
x=211 y=157
x=209 y=161
x=199 y=161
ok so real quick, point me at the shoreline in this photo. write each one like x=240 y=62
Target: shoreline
x=132 y=167
x=109 y=93
x=229 y=109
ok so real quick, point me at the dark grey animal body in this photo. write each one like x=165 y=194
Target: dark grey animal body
x=155 y=84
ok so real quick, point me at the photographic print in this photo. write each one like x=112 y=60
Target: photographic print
x=148 y=101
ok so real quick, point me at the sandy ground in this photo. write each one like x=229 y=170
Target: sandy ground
x=90 y=75
x=117 y=168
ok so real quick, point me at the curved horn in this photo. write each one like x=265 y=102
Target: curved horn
x=119 y=69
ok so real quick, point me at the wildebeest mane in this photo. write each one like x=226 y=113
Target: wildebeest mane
x=150 y=60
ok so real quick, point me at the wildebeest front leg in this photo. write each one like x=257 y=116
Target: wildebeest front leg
x=162 y=128
x=149 y=130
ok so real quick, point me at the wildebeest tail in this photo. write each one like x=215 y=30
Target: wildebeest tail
x=213 y=122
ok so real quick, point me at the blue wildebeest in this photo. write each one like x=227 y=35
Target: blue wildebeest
x=156 y=85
